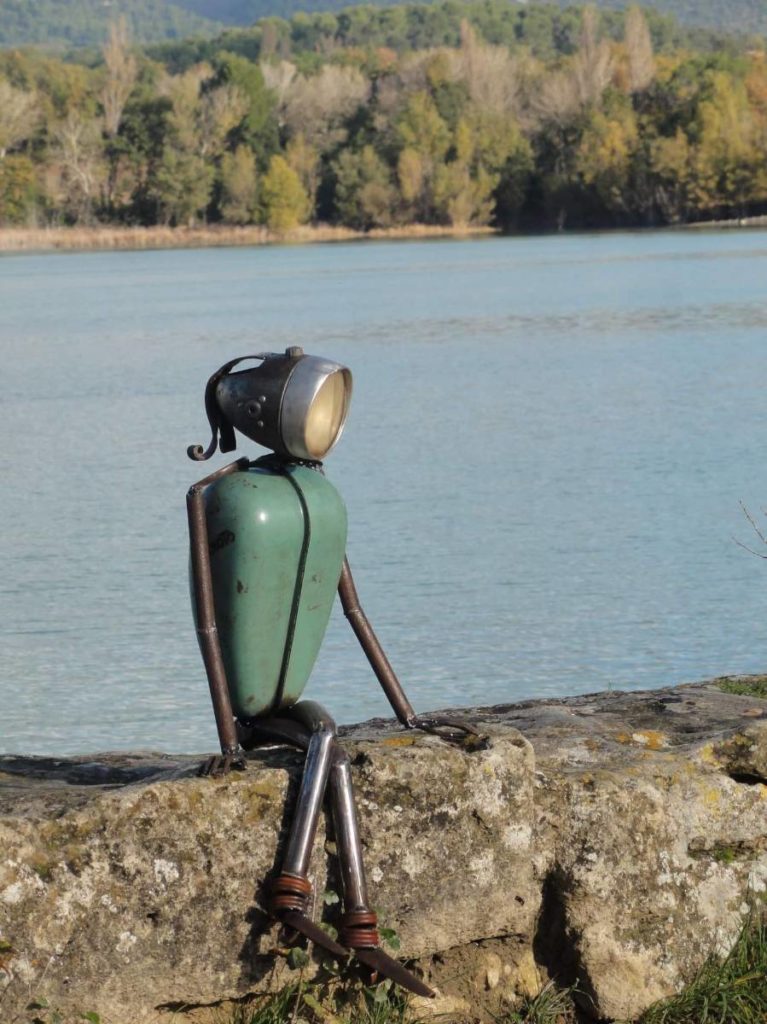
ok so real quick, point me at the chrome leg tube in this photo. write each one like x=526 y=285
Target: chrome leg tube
x=313 y=785
x=359 y=926
x=306 y=724
x=347 y=832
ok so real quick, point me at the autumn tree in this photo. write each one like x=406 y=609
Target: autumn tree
x=317 y=106
x=604 y=158
x=284 y=201
x=304 y=159
x=593 y=64
x=221 y=109
x=670 y=163
x=728 y=162
x=80 y=165
x=639 y=50
x=19 y=116
x=492 y=75
x=238 y=186
x=424 y=140
x=121 y=69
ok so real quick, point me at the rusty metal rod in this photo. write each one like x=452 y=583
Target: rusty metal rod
x=370 y=644
x=207 y=631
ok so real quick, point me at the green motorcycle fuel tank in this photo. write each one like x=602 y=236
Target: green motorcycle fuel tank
x=277 y=538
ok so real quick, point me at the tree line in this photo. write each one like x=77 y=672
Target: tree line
x=614 y=128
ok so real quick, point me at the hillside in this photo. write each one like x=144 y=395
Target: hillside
x=730 y=15
x=85 y=22
x=74 y=23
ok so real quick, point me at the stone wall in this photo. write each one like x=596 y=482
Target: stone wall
x=613 y=840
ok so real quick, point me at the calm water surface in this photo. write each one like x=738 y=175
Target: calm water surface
x=548 y=442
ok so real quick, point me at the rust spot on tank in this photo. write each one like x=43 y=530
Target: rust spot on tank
x=224 y=539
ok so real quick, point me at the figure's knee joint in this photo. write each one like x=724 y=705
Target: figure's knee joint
x=289 y=892
x=359 y=929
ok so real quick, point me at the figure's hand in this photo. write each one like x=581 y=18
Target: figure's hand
x=222 y=764
x=451 y=731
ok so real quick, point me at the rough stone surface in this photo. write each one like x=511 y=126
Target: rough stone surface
x=613 y=840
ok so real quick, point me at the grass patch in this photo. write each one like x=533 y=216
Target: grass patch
x=552 y=1005
x=317 y=1004
x=273 y=1009
x=750 y=686
x=730 y=991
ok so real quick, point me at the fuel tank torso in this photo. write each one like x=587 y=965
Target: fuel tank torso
x=277 y=536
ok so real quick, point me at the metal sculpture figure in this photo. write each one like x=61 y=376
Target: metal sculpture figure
x=268 y=542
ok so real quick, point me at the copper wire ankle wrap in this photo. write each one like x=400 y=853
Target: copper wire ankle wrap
x=290 y=892
x=358 y=929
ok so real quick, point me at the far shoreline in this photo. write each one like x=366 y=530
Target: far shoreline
x=103 y=238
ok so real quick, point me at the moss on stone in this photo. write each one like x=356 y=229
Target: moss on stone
x=744 y=686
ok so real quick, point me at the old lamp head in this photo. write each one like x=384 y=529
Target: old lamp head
x=292 y=403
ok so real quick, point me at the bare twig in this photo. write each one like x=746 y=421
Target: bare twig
x=756 y=530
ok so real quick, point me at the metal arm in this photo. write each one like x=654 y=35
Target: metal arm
x=207 y=631
x=449 y=729
x=375 y=654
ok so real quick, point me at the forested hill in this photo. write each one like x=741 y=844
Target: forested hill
x=68 y=23
x=75 y=23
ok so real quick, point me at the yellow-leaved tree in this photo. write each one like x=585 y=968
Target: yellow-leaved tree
x=284 y=200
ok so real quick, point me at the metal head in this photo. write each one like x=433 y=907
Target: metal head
x=292 y=403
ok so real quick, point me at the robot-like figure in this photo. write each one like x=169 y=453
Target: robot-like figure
x=268 y=542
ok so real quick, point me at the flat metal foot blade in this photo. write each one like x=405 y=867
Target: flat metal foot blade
x=301 y=923
x=390 y=968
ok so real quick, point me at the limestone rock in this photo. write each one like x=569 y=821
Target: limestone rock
x=613 y=840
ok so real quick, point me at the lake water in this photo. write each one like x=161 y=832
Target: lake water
x=548 y=442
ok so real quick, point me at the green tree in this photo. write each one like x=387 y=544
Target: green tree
x=422 y=129
x=19 y=190
x=258 y=128
x=181 y=186
x=364 y=194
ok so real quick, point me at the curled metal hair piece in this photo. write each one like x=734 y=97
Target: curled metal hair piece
x=221 y=429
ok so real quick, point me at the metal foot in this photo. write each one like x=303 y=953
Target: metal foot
x=382 y=963
x=305 y=926
x=288 y=903
x=222 y=764
x=452 y=730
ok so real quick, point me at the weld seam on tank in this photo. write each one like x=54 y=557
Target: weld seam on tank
x=297 y=590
